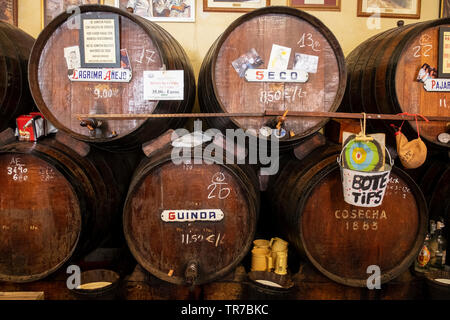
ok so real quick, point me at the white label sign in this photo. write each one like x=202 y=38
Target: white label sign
x=164 y=85
x=101 y=75
x=261 y=75
x=437 y=85
x=192 y=215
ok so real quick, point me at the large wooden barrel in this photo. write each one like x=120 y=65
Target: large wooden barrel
x=221 y=89
x=435 y=185
x=55 y=205
x=342 y=240
x=149 y=48
x=15 y=96
x=190 y=223
x=382 y=78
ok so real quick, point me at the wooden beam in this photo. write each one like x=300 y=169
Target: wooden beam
x=314 y=114
x=20 y=295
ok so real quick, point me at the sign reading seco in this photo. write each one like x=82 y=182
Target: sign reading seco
x=263 y=75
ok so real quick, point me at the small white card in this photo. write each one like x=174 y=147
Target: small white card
x=72 y=55
x=164 y=85
x=279 y=58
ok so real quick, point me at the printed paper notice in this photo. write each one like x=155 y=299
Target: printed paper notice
x=99 y=41
x=164 y=85
x=446 y=53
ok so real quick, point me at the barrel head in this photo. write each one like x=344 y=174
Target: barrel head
x=179 y=215
x=40 y=219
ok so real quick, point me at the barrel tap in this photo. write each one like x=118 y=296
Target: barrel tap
x=191 y=273
x=90 y=123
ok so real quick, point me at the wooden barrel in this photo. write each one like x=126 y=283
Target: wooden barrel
x=54 y=205
x=149 y=48
x=221 y=89
x=382 y=78
x=436 y=188
x=438 y=285
x=190 y=223
x=15 y=96
x=342 y=240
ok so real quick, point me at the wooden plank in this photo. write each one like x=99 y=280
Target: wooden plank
x=21 y=295
x=314 y=114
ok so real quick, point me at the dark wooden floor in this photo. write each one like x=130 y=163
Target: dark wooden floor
x=308 y=285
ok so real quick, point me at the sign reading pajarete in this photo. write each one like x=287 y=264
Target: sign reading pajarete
x=100 y=42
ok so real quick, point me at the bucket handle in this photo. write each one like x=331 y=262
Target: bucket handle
x=339 y=159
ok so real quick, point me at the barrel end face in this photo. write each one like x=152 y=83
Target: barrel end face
x=309 y=145
x=151 y=147
x=79 y=147
x=7 y=136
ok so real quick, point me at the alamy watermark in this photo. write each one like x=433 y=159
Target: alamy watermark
x=236 y=147
x=74 y=280
x=374 y=281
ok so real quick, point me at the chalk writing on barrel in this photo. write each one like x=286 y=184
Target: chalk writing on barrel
x=218 y=183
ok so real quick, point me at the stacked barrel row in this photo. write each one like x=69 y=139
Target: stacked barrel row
x=194 y=223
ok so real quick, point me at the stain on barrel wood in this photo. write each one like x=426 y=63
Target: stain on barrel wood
x=54 y=205
x=15 y=96
x=222 y=90
x=341 y=240
x=382 y=73
x=166 y=249
x=149 y=47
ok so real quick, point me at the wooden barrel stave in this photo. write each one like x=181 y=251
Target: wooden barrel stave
x=149 y=48
x=221 y=89
x=308 y=205
x=160 y=247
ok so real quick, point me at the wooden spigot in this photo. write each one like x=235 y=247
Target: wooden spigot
x=281 y=120
x=91 y=124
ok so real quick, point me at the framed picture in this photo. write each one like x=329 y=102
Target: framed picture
x=444 y=9
x=8 y=11
x=390 y=8
x=444 y=52
x=52 y=8
x=160 y=10
x=234 y=6
x=326 y=5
